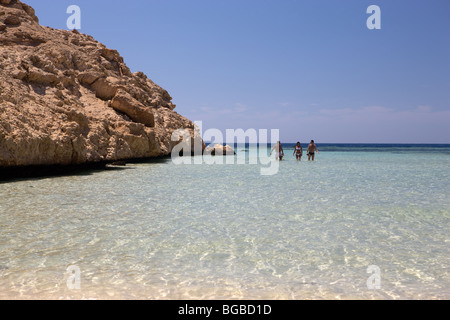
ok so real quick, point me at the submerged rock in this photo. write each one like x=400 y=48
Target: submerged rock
x=219 y=150
x=66 y=99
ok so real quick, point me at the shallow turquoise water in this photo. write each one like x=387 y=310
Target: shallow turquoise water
x=162 y=231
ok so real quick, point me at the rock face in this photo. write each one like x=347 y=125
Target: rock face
x=66 y=99
x=219 y=150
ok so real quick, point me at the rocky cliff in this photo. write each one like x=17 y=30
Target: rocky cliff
x=66 y=99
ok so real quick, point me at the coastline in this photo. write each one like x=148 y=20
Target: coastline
x=28 y=172
x=105 y=191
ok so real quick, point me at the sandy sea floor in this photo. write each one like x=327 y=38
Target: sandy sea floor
x=161 y=231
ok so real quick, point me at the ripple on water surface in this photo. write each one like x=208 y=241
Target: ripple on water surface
x=163 y=231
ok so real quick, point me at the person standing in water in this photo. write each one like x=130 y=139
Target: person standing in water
x=279 y=152
x=298 y=151
x=312 y=149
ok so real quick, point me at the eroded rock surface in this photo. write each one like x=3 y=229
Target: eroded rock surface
x=67 y=99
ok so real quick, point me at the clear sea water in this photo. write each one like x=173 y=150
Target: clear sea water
x=158 y=230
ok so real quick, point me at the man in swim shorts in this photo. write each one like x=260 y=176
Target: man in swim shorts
x=311 y=151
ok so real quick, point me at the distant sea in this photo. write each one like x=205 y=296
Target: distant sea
x=365 y=147
x=363 y=221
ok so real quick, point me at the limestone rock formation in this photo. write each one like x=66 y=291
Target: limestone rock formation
x=67 y=99
x=219 y=150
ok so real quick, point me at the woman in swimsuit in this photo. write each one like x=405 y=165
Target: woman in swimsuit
x=298 y=151
x=312 y=149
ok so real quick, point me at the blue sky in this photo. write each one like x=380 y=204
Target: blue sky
x=310 y=68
